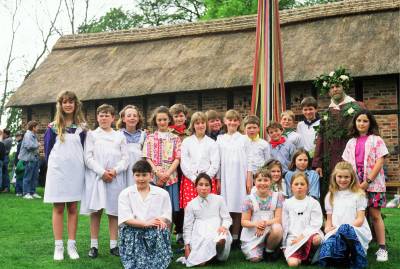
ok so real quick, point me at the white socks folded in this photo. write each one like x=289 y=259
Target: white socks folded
x=94 y=243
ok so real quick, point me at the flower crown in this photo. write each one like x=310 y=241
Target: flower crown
x=338 y=77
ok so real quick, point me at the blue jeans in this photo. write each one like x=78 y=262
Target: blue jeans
x=1 y=175
x=31 y=177
x=6 y=177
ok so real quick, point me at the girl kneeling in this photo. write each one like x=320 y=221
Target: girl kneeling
x=144 y=219
x=302 y=221
x=261 y=219
x=206 y=226
x=347 y=231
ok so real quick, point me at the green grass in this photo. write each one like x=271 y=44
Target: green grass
x=26 y=241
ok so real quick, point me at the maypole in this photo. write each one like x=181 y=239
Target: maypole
x=268 y=96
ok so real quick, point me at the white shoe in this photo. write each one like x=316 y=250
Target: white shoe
x=72 y=252
x=58 y=253
x=35 y=195
x=28 y=196
x=382 y=255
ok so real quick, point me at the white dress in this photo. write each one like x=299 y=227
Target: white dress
x=344 y=211
x=199 y=156
x=65 y=170
x=135 y=154
x=248 y=236
x=258 y=154
x=203 y=217
x=233 y=150
x=104 y=150
x=300 y=217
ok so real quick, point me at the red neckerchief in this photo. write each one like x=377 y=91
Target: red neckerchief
x=179 y=129
x=274 y=144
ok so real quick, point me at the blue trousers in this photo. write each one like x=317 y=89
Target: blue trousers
x=5 y=176
x=31 y=177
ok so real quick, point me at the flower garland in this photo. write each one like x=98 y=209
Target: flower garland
x=338 y=77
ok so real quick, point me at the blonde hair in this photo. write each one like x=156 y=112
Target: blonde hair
x=121 y=124
x=288 y=113
x=333 y=186
x=59 y=118
x=233 y=114
x=197 y=116
x=269 y=165
x=297 y=175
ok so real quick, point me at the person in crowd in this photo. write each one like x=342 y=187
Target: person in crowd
x=302 y=220
x=347 y=231
x=366 y=151
x=130 y=123
x=144 y=219
x=63 y=147
x=8 y=143
x=206 y=226
x=106 y=158
x=214 y=124
x=289 y=129
x=261 y=220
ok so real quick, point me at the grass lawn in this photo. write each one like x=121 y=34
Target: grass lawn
x=26 y=241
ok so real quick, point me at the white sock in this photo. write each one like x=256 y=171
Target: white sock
x=71 y=243
x=94 y=243
x=113 y=243
x=269 y=250
x=179 y=236
x=58 y=243
x=235 y=236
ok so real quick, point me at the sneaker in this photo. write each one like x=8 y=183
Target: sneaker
x=58 y=252
x=18 y=194
x=114 y=251
x=28 y=196
x=93 y=253
x=382 y=255
x=72 y=252
x=37 y=196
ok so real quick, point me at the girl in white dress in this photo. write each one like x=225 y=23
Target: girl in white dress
x=130 y=123
x=261 y=219
x=106 y=159
x=206 y=226
x=199 y=155
x=287 y=122
x=63 y=146
x=347 y=231
x=302 y=220
x=235 y=182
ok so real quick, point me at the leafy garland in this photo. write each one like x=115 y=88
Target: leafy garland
x=338 y=77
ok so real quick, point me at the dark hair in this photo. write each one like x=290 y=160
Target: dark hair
x=309 y=101
x=299 y=174
x=6 y=132
x=142 y=166
x=105 y=108
x=178 y=108
x=160 y=110
x=251 y=119
x=274 y=125
x=32 y=124
x=373 y=125
x=297 y=153
x=201 y=176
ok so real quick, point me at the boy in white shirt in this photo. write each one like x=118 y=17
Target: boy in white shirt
x=306 y=128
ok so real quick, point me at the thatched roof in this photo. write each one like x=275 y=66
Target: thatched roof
x=362 y=35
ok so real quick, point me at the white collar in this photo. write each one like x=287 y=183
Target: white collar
x=347 y=99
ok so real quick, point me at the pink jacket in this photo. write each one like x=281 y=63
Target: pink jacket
x=375 y=148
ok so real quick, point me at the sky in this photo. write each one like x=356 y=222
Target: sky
x=32 y=17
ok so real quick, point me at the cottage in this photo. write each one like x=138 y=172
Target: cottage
x=209 y=64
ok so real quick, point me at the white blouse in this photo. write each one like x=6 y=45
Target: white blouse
x=131 y=205
x=259 y=154
x=199 y=156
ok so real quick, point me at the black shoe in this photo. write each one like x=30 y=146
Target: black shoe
x=93 y=253
x=235 y=244
x=180 y=241
x=272 y=256
x=114 y=251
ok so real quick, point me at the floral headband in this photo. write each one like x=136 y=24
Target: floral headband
x=338 y=77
